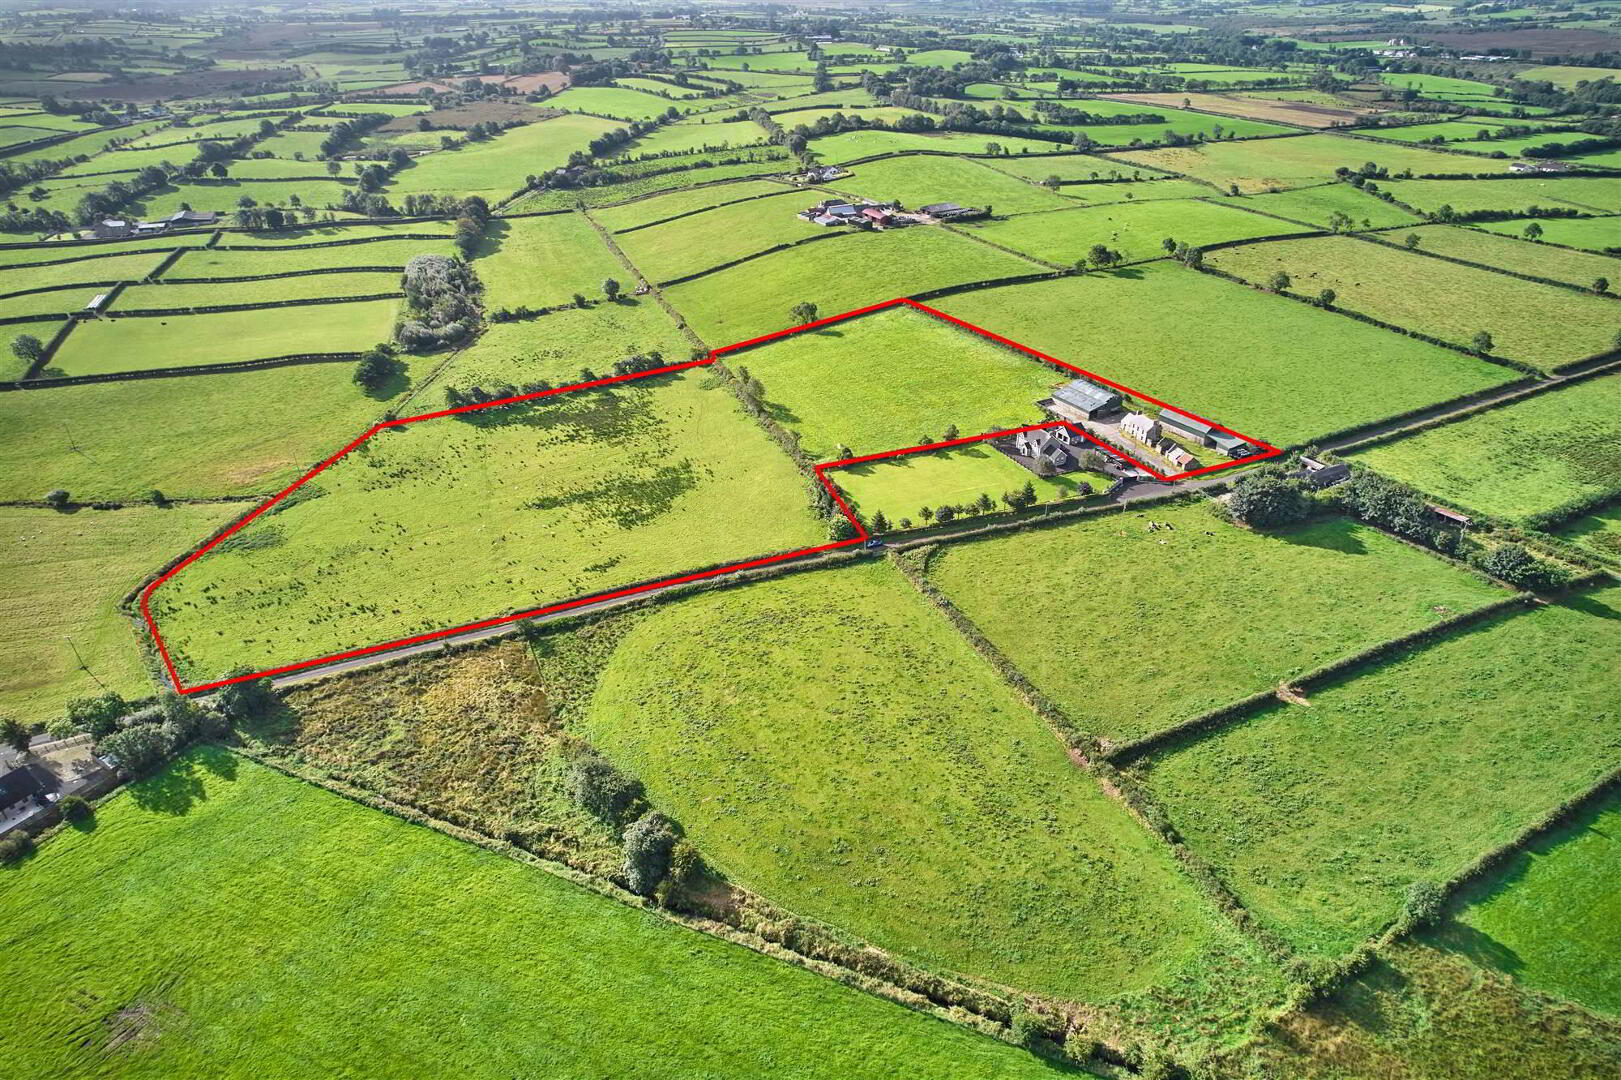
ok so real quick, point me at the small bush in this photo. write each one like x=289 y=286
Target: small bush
x=75 y=808
x=14 y=846
x=600 y=789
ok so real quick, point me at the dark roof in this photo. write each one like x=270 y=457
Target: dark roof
x=939 y=208
x=1085 y=396
x=26 y=781
x=1226 y=441
x=1186 y=423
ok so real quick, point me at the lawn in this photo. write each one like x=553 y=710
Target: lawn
x=1262 y=164
x=691 y=244
x=1320 y=817
x=543 y=261
x=243 y=255
x=1261 y=607
x=1586 y=194
x=1136 y=230
x=1541 y=325
x=1271 y=368
x=136 y=927
x=559 y=348
x=899 y=487
x=1316 y=205
x=252 y=431
x=827 y=740
x=893 y=379
x=659 y=207
x=919 y=181
x=62 y=576
x=446 y=521
x=300 y=287
x=1519 y=459
x=103 y=345
x=1555 y=263
x=755 y=298
x=1552 y=916
x=497 y=168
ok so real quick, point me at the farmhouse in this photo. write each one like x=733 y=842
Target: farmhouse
x=1145 y=429
x=1081 y=400
x=1044 y=446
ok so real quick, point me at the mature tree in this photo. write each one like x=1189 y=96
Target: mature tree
x=1533 y=231
x=1482 y=341
x=1278 y=282
x=648 y=846
x=927 y=514
x=880 y=523
x=1266 y=499
x=27 y=348
x=138 y=748
x=219 y=170
x=1601 y=285
x=15 y=734
x=98 y=715
x=951 y=433
x=468 y=235
x=610 y=288
x=1340 y=221
x=946 y=514
x=378 y=366
x=1411 y=241
x=803 y=313
x=57 y=497
x=840 y=528
x=1052 y=183
x=249 y=699
x=1169 y=244
x=1327 y=297
x=985 y=503
x=579 y=300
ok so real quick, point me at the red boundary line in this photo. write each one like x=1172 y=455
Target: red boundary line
x=820 y=471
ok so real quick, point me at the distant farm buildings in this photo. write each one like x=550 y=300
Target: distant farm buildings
x=1321 y=474
x=124 y=228
x=1080 y=400
x=866 y=214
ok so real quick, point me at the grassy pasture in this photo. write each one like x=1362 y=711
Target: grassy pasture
x=1537 y=324
x=1599 y=533
x=1519 y=459
x=919 y=181
x=893 y=379
x=754 y=298
x=66 y=249
x=659 y=207
x=1069 y=166
x=1321 y=817
x=639 y=187
x=1298 y=162
x=547 y=975
x=615 y=101
x=850 y=145
x=1270 y=368
x=899 y=487
x=102 y=345
x=1552 y=916
x=543 y=261
x=130 y=267
x=447 y=521
x=56 y=302
x=557 y=347
x=677 y=248
x=688 y=138
x=497 y=168
x=1262 y=607
x=302 y=287
x=1136 y=230
x=1510 y=252
x=62 y=576
x=1590 y=195
x=222 y=195
x=1316 y=205
x=827 y=740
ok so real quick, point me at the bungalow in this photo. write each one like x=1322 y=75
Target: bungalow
x=1082 y=400
x=1144 y=429
x=1180 y=425
x=1043 y=446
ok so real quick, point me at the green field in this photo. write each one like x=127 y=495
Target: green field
x=1269 y=368
x=1567 y=77
x=131 y=267
x=1599 y=533
x=447 y=521
x=893 y=379
x=1593 y=234
x=1537 y=324
x=1520 y=256
x=245 y=256
x=832 y=720
x=543 y=261
x=1261 y=607
x=1321 y=817
x=1263 y=164
x=102 y=345
x=1136 y=230
x=1550 y=916
x=899 y=487
x=1317 y=205
x=62 y=576
x=496 y=169
x=230 y=434
x=659 y=207
x=850 y=145
x=918 y=181
x=1518 y=459
x=54 y=252
x=755 y=298
x=299 y=287
x=136 y=928
x=1586 y=194
x=615 y=101
x=691 y=244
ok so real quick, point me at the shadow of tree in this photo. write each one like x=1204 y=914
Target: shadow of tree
x=1477 y=945
x=1336 y=534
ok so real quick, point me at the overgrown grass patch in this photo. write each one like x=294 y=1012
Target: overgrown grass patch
x=899 y=487
x=546 y=975
x=1322 y=815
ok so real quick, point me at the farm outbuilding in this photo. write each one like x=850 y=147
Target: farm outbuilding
x=1082 y=400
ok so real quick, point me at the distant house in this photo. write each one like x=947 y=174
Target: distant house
x=818 y=174
x=1145 y=429
x=827 y=219
x=1082 y=400
x=150 y=228
x=112 y=229
x=1180 y=426
x=1044 y=446
x=1522 y=167
x=842 y=210
x=1321 y=474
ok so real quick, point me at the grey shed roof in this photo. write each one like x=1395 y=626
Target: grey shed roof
x=1187 y=423
x=939 y=208
x=1225 y=441
x=1084 y=395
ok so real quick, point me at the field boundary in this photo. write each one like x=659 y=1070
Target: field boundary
x=859 y=531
